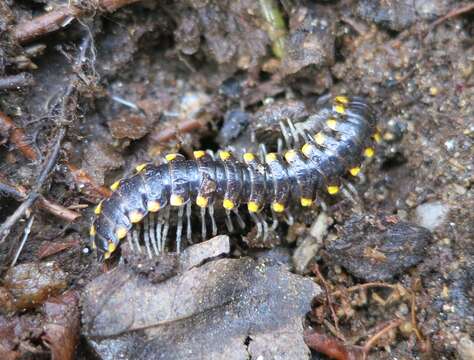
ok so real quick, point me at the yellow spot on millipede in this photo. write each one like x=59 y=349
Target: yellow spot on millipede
x=98 y=209
x=224 y=155
x=340 y=109
x=199 y=154
x=176 y=200
x=121 y=232
x=278 y=207
x=107 y=255
x=92 y=231
x=271 y=157
x=332 y=124
x=369 y=152
x=306 y=202
x=111 y=247
x=342 y=99
x=115 y=185
x=201 y=201
x=135 y=216
x=171 y=157
x=290 y=155
x=377 y=137
x=249 y=157
x=307 y=149
x=228 y=204
x=140 y=167
x=253 y=207
x=153 y=206
x=333 y=189
x=354 y=171
x=319 y=138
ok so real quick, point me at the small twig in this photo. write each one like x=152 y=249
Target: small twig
x=58 y=19
x=11 y=190
x=58 y=210
x=87 y=184
x=371 y=342
x=320 y=276
x=34 y=194
x=16 y=81
x=16 y=136
x=173 y=129
x=20 y=194
x=453 y=13
x=363 y=286
x=331 y=347
x=26 y=233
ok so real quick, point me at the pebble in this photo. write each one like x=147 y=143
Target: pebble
x=431 y=215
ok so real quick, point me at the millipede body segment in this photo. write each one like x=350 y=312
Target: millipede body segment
x=297 y=176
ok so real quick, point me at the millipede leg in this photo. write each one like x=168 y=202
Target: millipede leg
x=179 y=229
x=274 y=220
x=352 y=189
x=280 y=146
x=159 y=225
x=257 y=223
x=263 y=152
x=294 y=133
x=308 y=137
x=152 y=218
x=290 y=220
x=130 y=243
x=188 y=222
x=166 y=220
x=228 y=221
x=347 y=194
x=285 y=134
x=146 y=236
x=203 y=224
x=240 y=221
x=264 y=226
x=324 y=206
x=214 y=226
x=135 y=235
x=211 y=154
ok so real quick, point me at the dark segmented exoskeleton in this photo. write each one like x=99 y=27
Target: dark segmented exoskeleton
x=314 y=164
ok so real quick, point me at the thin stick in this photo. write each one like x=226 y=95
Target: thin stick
x=16 y=81
x=17 y=136
x=20 y=194
x=59 y=18
x=26 y=233
x=329 y=300
x=34 y=194
x=364 y=286
x=453 y=13
x=371 y=342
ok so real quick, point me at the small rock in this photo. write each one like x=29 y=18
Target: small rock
x=465 y=348
x=378 y=249
x=309 y=247
x=30 y=284
x=100 y=158
x=398 y=15
x=235 y=123
x=311 y=39
x=197 y=254
x=128 y=126
x=431 y=215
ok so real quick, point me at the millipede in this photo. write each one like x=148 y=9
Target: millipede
x=317 y=156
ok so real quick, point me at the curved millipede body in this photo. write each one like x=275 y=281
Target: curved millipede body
x=297 y=176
